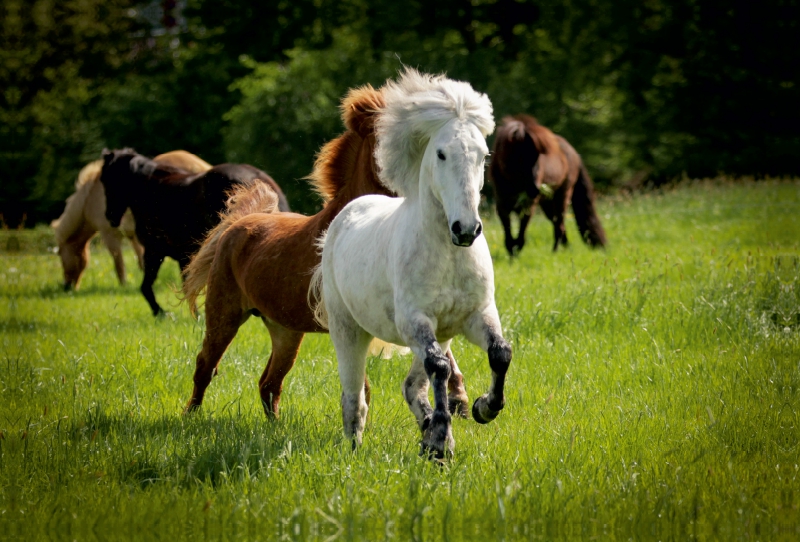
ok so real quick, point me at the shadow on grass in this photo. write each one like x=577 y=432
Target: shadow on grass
x=213 y=448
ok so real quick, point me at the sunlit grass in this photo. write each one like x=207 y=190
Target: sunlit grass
x=653 y=392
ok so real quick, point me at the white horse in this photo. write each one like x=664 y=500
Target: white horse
x=415 y=270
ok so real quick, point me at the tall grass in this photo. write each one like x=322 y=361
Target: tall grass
x=653 y=393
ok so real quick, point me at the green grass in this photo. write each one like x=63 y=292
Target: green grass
x=653 y=393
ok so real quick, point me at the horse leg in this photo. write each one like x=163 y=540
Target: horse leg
x=505 y=219
x=524 y=218
x=139 y=250
x=555 y=215
x=111 y=238
x=418 y=332
x=457 y=400
x=224 y=317
x=483 y=329
x=415 y=392
x=285 y=345
x=351 y=343
x=152 y=263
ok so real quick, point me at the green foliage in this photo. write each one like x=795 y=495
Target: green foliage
x=289 y=110
x=643 y=90
x=653 y=393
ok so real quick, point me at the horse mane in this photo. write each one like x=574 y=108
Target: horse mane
x=417 y=105
x=72 y=217
x=184 y=160
x=337 y=158
x=515 y=128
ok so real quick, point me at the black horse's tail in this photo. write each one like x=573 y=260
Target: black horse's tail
x=585 y=214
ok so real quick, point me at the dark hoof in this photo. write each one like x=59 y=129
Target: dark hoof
x=190 y=408
x=67 y=286
x=437 y=456
x=482 y=412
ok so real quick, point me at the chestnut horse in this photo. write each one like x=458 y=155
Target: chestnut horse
x=85 y=215
x=261 y=264
x=173 y=208
x=531 y=164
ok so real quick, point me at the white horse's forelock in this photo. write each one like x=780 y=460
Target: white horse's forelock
x=417 y=106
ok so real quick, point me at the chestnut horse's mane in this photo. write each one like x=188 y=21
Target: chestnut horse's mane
x=514 y=129
x=337 y=158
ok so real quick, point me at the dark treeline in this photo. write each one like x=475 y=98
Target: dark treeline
x=644 y=89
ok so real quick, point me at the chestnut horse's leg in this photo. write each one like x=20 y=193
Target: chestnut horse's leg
x=152 y=263
x=484 y=330
x=457 y=400
x=223 y=319
x=111 y=238
x=285 y=345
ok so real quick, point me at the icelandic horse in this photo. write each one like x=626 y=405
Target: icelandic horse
x=530 y=165
x=257 y=264
x=173 y=208
x=415 y=270
x=84 y=216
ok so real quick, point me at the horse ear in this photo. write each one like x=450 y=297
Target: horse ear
x=107 y=155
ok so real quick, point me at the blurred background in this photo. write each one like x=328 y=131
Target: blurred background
x=646 y=90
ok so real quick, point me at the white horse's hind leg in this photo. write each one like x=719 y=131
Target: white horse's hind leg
x=351 y=343
x=415 y=392
x=483 y=329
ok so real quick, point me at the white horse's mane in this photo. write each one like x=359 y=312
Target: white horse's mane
x=417 y=106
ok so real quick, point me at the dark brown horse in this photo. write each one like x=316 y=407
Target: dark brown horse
x=260 y=264
x=173 y=208
x=530 y=165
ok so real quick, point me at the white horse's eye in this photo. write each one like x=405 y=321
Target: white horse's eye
x=440 y=155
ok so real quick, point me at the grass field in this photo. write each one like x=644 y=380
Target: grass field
x=653 y=395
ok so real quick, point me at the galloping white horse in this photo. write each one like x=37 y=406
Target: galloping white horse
x=415 y=270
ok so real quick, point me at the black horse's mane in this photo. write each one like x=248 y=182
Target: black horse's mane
x=139 y=163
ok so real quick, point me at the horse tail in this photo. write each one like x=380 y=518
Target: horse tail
x=315 y=299
x=585 y=214
x=243 y=200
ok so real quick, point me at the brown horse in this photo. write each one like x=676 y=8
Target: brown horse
x=261 y=264
x=84 y=216
x=530 y=165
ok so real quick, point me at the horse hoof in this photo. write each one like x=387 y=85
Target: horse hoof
x=482 y=412
x=190 y=408
x=432 y=454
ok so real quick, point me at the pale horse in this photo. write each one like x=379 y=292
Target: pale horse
x=415 y=270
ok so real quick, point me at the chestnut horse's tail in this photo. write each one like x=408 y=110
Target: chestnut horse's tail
x=243 y=200
x=585 y=214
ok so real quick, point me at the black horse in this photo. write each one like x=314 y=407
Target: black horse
x=173 y=208
x=530 y=165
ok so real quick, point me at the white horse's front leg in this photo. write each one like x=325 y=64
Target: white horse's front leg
x=418 y=332
x=483 y=329
x=351 y=344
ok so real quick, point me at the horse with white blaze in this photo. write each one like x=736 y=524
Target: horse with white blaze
x=415 y=270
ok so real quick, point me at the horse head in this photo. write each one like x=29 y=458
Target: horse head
x=117 y=178
x=455 y=161
x=432 y=140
